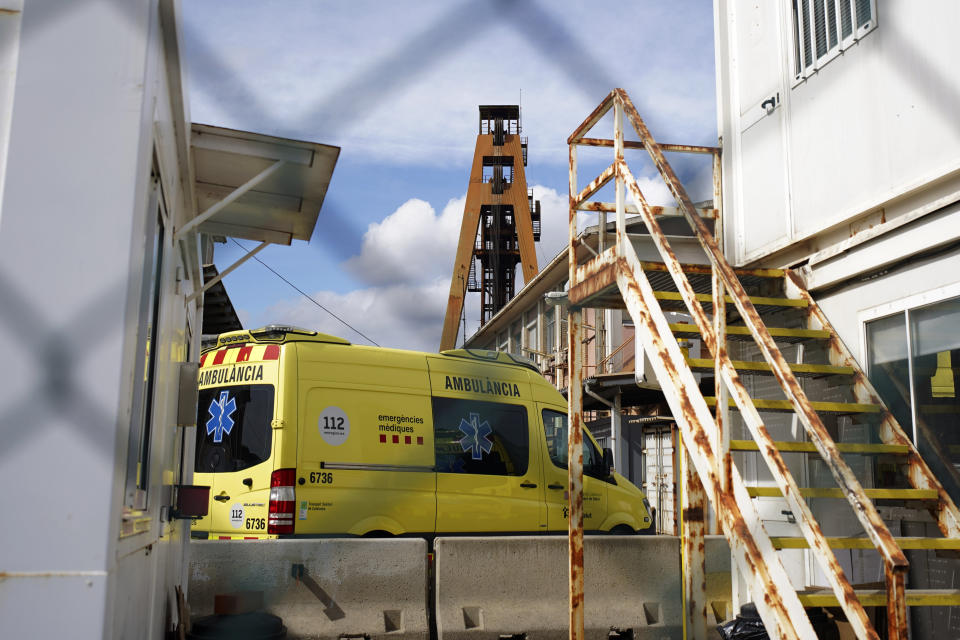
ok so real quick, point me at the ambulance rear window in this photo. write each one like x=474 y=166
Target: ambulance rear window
x=233 y=427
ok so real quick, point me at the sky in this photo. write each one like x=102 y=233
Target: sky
x=396 y=86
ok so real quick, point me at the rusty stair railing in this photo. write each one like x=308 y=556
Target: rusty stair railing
x=618 y=271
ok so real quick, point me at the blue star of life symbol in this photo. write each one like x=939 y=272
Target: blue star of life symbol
x=475 y=438
x=220 y=421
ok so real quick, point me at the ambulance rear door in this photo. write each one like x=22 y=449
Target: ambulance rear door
x=237 y=404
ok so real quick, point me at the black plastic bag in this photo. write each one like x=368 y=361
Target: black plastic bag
x=746 y=626
x=749 y=626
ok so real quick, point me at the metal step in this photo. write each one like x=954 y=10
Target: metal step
x=866 y=543
x=808 y=447
x=707 y=270
x=801 y=370
x=837 y=492
x=785 y=405
x=735 y=332
x=700 y=277
x=758 y=301
x=878 y=598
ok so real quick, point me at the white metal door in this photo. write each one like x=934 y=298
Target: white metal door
x=763 y=214
x=658 y=484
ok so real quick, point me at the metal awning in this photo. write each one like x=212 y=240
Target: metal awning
x=258 y=187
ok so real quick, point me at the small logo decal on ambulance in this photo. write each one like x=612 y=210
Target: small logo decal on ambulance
x=475 y=436
x=334 y=426
x=220 y=421
x=236 y=515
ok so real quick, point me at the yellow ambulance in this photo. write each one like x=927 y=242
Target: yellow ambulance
x=303 y=434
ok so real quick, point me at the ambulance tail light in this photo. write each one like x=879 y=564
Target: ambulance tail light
x=283 y=501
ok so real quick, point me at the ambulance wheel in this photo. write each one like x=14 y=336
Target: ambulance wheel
x=378 y=534
x=622 y=530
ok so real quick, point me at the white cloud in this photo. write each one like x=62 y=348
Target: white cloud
x=407 y=261
x=554 y=224
x=655 y=192
x=412 y=244
x=405 y=316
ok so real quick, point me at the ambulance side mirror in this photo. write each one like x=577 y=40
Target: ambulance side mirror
x=607 y=462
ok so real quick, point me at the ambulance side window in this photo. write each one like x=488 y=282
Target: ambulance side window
x=555 y=430
x=477 y=437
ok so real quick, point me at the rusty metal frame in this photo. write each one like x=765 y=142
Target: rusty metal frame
x=703 y=433
x=574 y=432
x=693 y=503
x=610 y=207
x=781 y=607
x=894 y=561
x=575 y=475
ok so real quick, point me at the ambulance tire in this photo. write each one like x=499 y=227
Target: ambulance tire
x=378 y=534
x=622 y=530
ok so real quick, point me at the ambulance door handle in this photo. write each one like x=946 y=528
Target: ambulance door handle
x=528 y=485
x=554 y=486
x=221 y=498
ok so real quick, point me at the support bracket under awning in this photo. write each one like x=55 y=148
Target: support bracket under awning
x=196 y=294
x=227 y=201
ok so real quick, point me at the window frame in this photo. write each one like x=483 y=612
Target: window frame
x=520 y=421
x=800 y=71
x=593 y=470
x=149 y=315
x=905 y=306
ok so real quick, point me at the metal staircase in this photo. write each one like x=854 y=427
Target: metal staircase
x=775 y=391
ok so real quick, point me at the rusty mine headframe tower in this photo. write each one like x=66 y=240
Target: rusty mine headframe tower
x=501 y=221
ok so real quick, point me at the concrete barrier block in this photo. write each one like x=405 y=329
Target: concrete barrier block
x=490 y=588
x=320 y=588
x=719 y=584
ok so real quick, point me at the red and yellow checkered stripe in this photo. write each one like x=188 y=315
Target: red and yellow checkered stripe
x=240 y=353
